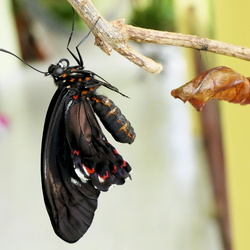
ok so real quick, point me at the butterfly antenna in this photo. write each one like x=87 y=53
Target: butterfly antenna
x=8 y=52
x=79 y=58
x=84 y=38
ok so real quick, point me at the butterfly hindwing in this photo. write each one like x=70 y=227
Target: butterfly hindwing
x=94 y=158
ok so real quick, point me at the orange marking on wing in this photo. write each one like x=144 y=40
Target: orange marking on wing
x=87 y=78
x=75 y=97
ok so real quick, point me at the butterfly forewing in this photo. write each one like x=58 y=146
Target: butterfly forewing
x=77 y=163
x=70 y=203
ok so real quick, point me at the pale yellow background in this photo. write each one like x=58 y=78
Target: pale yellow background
x=232 y=25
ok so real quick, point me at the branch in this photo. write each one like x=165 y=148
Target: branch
x=116 y=34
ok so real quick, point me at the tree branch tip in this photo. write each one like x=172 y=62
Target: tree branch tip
x=158 y=69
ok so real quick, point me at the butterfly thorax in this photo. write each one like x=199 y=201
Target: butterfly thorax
x=73 y=77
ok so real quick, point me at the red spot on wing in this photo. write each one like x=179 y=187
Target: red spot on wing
x=115 y=151
x=124 y=164
x=115 y=169
x=90 y=170
x=105 y=176
x=76 y=152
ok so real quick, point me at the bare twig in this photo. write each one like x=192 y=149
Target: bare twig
x=116 y=34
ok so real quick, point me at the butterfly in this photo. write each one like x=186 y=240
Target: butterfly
x=77 y=161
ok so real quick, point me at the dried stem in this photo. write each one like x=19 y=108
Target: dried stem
x=116 y=34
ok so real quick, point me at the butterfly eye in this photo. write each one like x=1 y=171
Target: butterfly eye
x=58 y=71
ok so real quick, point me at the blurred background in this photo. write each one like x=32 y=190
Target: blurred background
x=190 y=181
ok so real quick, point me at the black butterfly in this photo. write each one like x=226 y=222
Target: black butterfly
x=77 y=161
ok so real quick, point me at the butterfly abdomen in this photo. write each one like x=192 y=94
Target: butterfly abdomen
x=113 y=120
